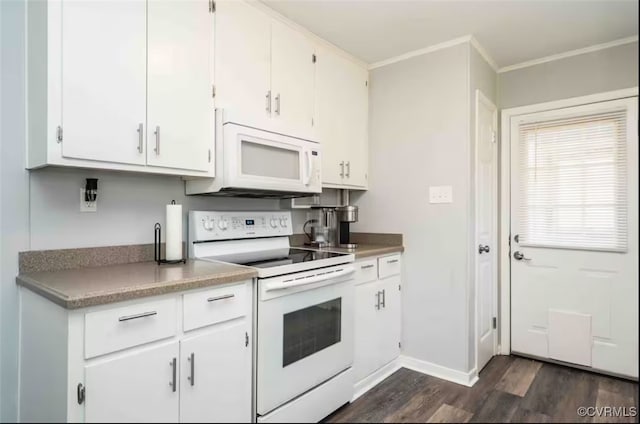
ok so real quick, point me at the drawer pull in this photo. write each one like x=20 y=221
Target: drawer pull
x=393 y=261
x=367 y=266
x=174 y=371
x=142 y=315
x=226 y=296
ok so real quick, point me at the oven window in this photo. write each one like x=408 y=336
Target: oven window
x=309 y=330
x=268 y=161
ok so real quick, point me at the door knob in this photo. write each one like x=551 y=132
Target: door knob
x=519 y=256
x=484 y=249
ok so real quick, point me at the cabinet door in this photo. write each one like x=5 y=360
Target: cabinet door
x=292 y=81
x=389 y=320
x=180 y=83
x=243 y=63
x=367 y=333
x=104 y=57
x=216 y=375
x=342 y=108
x=139 y=386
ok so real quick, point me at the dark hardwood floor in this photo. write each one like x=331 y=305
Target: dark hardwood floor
x=510 y=389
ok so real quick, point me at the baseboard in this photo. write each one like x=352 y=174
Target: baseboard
x=464 y=378
x=369 y=382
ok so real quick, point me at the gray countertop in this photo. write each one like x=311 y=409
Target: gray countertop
x=365 y=250
x=83 y=287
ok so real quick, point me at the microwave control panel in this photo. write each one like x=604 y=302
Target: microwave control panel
x=223 y=225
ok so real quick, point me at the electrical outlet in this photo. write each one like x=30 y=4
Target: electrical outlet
x=440 y=194
x=87 y=206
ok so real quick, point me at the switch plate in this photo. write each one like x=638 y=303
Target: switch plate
x=87 y=206
x=440 y=194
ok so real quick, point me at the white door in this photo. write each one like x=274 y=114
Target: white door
x=292 y=82
x=366 y=334
x=104 y=57
x=215 y=384
x=243 y=63
x=486 y=200
x=574 y=222
x=180 y=112
x=389 y=319
x=141 y=386
x=341 y=113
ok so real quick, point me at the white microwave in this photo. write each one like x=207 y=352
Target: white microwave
x=250 y=162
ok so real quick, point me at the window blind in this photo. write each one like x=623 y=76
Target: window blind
x=573 y=182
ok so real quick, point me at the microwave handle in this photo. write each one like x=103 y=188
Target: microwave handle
x=280 y=284
x=307 y=167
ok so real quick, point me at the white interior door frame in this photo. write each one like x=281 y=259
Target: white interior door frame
x=504 y=323
x=481 y=98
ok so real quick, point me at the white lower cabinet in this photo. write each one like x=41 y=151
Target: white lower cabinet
x=377 y=319
x=143 y=363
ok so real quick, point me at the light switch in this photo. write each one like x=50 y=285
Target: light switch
x=440 y=194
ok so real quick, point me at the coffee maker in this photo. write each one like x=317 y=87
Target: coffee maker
x=345 y=215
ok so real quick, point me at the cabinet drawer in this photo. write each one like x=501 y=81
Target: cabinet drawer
x=366 y=271
x=215 y=305
x=389 y=265
x=119 y=328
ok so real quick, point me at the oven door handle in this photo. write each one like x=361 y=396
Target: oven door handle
x=282 y=284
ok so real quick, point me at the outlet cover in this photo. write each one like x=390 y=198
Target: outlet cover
x=87 y=206
x=440 y=194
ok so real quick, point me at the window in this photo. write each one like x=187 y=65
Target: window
x=573 y=182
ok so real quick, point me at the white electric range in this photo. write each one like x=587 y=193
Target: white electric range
x=304 y=301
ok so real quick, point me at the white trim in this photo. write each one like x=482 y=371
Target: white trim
x=569 y=53
x=260 y=5
x=420 y=52
x=481 y=98
x=369 y=382
x=459 y=377
x=484 y=53
x=505 y=197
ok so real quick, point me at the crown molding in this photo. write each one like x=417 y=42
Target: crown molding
x=420 y=52
x=484 y=53
x=570 y=53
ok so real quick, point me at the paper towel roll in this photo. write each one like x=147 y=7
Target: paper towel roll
x=173 y=231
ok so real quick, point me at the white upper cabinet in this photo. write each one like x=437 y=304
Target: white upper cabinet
x=342 y=114
x=292 y=81
x=243 y=63
x=103 y=80
x=180 y=108
x=114 y=72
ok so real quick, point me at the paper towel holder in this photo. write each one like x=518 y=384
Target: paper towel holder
x=157 y=231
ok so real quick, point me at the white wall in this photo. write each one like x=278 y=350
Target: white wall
x=589 y=73
x=419 y=136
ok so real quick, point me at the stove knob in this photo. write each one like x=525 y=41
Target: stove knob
x=283 y=222
x=208 y=224
x=274 y=223
x=222 y=224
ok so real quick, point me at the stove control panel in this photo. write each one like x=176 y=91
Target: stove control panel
x=225 y=225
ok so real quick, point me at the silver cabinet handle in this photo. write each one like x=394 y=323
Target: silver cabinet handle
x=484 y=248
x=278 y=104
x=342 y=169
x=392 y=261
x=192 y=360
x=367 y=266
x=348 y=169
x=136 y=316
x=226 y=296
x=172 y=383
x=268 y=97
x=378 y=300
x=384 y=298
x=140 y=137
x=519 y=256
x=157 y=134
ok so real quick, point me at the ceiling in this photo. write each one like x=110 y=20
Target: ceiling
x=512 y=31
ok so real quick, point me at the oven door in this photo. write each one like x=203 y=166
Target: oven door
x=262 y=160
x=305 y=332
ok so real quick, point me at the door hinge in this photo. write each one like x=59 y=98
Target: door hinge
x=246 y=339
x=312 y=123
x=314 y=58
x=59 y=134
x=212 y=6
x=80 y=393
x=493 y=136
x=495 y=323
x=366 y=83
x=209 y=155
x=213 y=91
x=399 y=345
x=399 y=287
